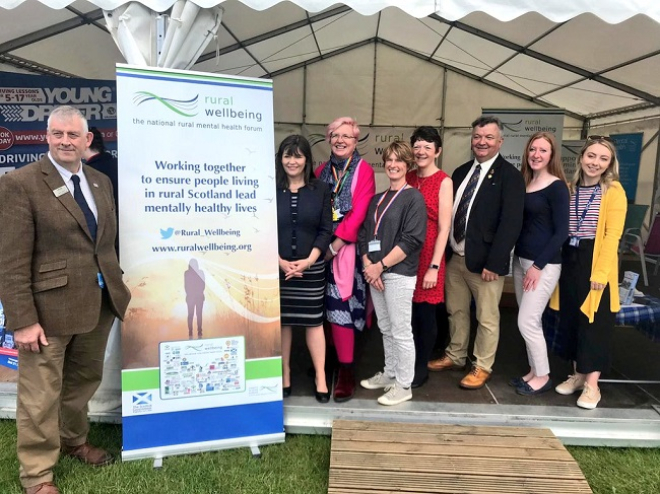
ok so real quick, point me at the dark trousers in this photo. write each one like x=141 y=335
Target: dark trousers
x=425 y=332
x=588 y=344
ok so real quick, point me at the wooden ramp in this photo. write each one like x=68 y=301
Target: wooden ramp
x=386 y=457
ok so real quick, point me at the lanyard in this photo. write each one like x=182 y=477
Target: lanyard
x=377 y=219
x=584 y=212
x=341 y=179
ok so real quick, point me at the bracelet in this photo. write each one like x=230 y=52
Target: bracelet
x=434 y=266
x=332 y=251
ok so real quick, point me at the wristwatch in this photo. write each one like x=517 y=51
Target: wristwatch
x=385 y=268
x=434 y=266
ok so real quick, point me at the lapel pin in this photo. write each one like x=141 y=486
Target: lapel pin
x=95 y=185
x=60 y=191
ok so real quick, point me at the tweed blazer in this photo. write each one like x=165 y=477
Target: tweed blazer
x=49 y=263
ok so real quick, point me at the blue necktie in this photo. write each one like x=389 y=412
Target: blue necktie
x=80 y=199
x=460 y=219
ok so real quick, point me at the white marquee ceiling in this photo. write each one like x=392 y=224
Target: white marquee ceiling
x=588 y=56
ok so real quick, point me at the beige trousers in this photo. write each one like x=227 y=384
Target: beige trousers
x=460 y=286
x=54 y=387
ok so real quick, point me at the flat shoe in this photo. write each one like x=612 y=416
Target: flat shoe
x=419 y=383
x=527 y=390
x=516 y=382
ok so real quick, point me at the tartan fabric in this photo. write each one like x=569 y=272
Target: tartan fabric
x=644 y=317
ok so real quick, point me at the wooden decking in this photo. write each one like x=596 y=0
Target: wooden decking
x=382 y=457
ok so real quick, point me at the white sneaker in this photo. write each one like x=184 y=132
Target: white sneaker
x=571 y=385
x=395 y=394
x=378 y=381
x=589 y=398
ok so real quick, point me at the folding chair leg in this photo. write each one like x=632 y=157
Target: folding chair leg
x=643 y=260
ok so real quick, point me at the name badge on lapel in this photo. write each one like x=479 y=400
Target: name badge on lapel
x=60 y=191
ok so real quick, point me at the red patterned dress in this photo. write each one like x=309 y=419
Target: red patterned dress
x=430 y=189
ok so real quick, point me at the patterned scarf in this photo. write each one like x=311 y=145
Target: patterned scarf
x=344 y=199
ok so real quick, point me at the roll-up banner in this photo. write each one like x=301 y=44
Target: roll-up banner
x=629 y=154
x=520 y=125
x=200 y=341
x=570 y=152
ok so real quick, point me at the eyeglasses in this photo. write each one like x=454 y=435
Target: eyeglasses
x=344 y=137
x=600 y=138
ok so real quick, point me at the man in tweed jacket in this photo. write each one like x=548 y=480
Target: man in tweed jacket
x=61 y=287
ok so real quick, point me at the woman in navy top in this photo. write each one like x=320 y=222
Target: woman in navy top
x=537 y=256
x=304 y=224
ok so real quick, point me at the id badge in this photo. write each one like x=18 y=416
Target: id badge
x=374 y=246
x=100 y=280
x=574 y=241
x=336 y=215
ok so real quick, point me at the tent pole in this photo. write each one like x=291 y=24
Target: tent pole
x=373 y=85
x=655 y=207
x=443 y=108
x=304 y=102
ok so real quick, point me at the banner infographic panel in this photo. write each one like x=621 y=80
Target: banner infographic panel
x=520 y=125
x=201 y=340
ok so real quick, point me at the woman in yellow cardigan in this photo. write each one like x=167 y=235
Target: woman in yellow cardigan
x=588 y=287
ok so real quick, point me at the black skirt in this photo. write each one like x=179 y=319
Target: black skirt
x=301 y=299
x=588 y=344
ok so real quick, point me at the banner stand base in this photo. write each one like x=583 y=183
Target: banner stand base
x=252 y=442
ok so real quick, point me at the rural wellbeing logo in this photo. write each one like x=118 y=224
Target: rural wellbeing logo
x=185 y=108
x=221 y=106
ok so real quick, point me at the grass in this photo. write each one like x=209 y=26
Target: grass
x=299 y=466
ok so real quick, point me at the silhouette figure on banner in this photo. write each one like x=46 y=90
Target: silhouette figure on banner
x=194 y=285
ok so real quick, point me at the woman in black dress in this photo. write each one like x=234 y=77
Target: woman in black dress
x=304 y=219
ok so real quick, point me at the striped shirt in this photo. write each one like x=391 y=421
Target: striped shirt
x=294 y=224
x=583 y=195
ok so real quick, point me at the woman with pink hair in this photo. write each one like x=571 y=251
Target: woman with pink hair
x=351 y=181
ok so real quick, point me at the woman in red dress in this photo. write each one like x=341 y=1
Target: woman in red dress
x=436 y=187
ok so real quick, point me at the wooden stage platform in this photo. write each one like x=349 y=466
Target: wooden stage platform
x=407 y=458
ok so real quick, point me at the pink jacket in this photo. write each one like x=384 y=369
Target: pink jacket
x=363 y=189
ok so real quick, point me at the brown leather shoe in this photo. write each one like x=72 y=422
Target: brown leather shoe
x=475 y=379
x=89 y=454
x=45 y=488
x=442 y=364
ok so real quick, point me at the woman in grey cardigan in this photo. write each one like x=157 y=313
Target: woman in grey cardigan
x=390 y=242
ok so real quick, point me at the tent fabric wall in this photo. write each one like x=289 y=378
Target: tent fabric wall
x=404 y=66
x=598 y=59
x=583 y=64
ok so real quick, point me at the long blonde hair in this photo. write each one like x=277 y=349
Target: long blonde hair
x=612 y=172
